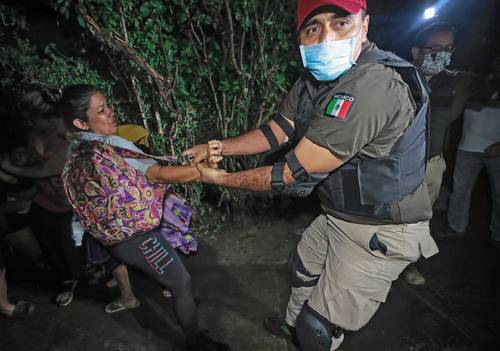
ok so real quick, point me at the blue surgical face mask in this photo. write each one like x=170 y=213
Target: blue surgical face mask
x=328 y=61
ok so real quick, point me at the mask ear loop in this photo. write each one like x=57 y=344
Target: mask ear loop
x=303 y=56
x=355 y=39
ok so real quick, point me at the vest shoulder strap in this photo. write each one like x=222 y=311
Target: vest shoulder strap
x=412 y=76
x=384 y=57
x=390 y=59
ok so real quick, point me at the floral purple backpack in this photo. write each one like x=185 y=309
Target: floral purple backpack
x=114 y=202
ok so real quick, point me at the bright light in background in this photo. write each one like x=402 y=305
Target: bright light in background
x=430 y=13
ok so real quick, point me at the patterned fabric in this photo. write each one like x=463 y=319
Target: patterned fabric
x=175 y=225
x=113 y=201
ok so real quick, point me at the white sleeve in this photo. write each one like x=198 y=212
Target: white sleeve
x=139 y=164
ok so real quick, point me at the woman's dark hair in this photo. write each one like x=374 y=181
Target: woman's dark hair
x=74 y=102
x=436 y=27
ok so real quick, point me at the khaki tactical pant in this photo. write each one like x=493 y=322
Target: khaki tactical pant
x=434 y=176
x=353 y=279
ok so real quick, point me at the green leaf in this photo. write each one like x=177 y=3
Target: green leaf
x=81 y=22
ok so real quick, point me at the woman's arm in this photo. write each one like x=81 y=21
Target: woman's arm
x=184 y=174
x=14 y=206
x=50 y=167
x=8 y=178
x=37 y=171
x=172 y=174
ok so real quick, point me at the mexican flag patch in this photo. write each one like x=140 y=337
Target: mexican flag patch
x=340 y=105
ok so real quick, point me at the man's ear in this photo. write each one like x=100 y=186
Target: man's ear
x=366 y=22
x=415 y=53
x=80 y=124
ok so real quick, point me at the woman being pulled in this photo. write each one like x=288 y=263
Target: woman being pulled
x=118 y=195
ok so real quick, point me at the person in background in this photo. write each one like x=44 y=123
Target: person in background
x=22 y=309
x=20 y=191
x=14 y=231
x=481 y=131
x=50 y=213
x=51 y=216
x=450 y=90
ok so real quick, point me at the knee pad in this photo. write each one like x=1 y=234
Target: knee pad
x=316 y=333
x=299 y=276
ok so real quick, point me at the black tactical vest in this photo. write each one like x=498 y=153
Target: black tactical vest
x=368 y=186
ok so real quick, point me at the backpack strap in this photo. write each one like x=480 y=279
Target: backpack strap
x=127 y=153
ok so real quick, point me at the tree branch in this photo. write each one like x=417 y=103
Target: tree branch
x=164 y=84
x=231 y=37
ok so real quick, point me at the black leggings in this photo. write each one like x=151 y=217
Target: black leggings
x=153 y=255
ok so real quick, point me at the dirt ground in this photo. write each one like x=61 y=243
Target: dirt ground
x=240 y=278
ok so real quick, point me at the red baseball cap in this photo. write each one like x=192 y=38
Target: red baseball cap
x=306 y=7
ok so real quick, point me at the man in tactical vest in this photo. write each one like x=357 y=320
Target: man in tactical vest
x=357 y=120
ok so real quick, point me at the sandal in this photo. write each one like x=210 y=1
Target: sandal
x=112 y=283
x=117 y=306
x=64 y=299
x=166 y=293
x=23 y=310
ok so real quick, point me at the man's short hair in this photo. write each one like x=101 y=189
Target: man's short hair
x=437 y=27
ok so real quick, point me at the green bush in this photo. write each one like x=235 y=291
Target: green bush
x=188 y=70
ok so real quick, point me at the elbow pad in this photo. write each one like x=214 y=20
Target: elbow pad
x=270 y=137
x=283 y=124
x=304 y=182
